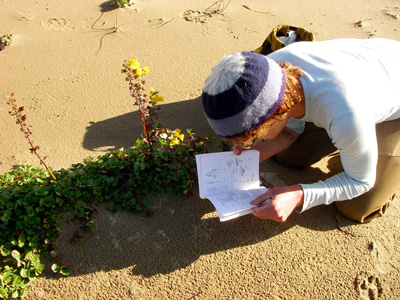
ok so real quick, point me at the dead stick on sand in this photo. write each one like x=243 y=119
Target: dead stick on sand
x=220 y=8
x=260 y=12
x=110 y=30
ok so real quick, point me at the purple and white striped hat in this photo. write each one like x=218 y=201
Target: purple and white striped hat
x=243 y=90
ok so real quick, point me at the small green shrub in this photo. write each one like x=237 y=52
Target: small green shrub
x=122 y=3
x=6 y=39
x=33 y=201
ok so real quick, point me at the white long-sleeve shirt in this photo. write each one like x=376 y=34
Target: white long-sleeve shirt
x=349 y=86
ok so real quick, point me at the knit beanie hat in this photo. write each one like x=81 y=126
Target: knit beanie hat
x=243 y=90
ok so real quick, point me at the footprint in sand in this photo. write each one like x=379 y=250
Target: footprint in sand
x=196 y=16
x=25 y=16
x=369 y=287
x=382 y=253
x=56 y=24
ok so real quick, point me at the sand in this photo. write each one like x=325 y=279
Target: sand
x=64 y=67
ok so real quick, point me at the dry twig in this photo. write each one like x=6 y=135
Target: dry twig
x=110 y=30
x=260 y=12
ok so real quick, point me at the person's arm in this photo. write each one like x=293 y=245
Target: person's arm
x=357 y=142
x=270 y=147
x=282 y=202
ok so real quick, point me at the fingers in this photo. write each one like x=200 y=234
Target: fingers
x=268 y=212
x=273 y=205
x=270 y=216
x=259 y=200
x=262 y=198
x=264 y=209
x=237 y=149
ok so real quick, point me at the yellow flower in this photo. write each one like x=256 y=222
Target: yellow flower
x=178 y=134
x=155 y=99
x=138 y=72
x=153 y=92
x=175 y=142
x=119 y=154
x=145 y=70
x=133 y=64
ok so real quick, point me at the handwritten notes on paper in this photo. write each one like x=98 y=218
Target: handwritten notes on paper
x=229 y=181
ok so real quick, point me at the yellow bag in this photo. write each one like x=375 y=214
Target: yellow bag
x=273 y=43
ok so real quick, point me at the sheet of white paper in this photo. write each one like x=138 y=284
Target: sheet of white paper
x=226 y=172
x=230 y=181
x=234 y=204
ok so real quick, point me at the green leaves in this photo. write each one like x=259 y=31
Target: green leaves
x=6 y=39
x=6 y=216
x=33 y=201
x=27 y=199
x=62 y=270
x=32 y=205
x=12 y=285
x=20 y=269
x=4 y=251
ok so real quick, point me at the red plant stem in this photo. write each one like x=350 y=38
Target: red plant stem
x=136 y=93
x=44 y=164
x=33 y=149
x=143 y=118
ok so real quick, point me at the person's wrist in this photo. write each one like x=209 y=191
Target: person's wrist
x=300 y=196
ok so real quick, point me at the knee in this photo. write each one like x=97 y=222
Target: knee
x=349 y=211
x=360 y=214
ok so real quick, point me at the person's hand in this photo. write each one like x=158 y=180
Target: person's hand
x=282 y=202
x=237 y=149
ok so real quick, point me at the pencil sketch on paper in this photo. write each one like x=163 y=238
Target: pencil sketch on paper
x=230 y=182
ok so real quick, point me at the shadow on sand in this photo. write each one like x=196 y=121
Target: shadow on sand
x=182 y=229
x=122 y=131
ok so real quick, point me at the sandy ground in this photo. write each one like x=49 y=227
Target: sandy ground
x=64 y=67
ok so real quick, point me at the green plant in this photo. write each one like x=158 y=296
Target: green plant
x=171 y=149
x=30 y=220
x=17 y=112
x=33 y=203
x=122 y=3
x=6 y=39
x=225 y=145
x=360 y=23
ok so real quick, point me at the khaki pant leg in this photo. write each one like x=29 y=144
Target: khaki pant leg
x=375 y=202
